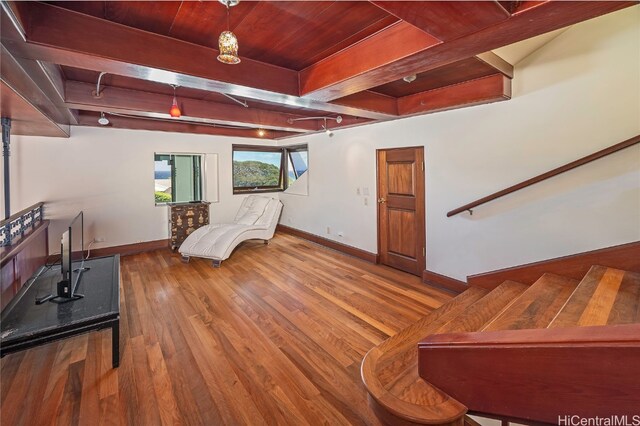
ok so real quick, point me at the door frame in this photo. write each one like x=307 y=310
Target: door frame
x=422 y=260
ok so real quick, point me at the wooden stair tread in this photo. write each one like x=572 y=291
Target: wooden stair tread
x=537 y=306
x=483 y=311
x=605 y=296
x=390 y=370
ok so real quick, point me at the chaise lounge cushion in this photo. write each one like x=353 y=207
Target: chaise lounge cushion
x=256 y=219
x=249 y=214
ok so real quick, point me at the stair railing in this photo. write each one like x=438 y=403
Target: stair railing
x=577 y=163
x=18 y=223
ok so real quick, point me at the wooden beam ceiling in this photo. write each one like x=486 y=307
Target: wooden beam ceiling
x=80 y=96
x=483 y=90
x=69 y=38
x=356 y=71
x=345 y=76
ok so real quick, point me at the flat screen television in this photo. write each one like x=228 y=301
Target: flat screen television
x=72 y=259
x=71 y=263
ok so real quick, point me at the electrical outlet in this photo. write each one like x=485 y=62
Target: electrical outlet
x=328 y=230
x=99 y=240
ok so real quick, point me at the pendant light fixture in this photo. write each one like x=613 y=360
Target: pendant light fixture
x=175 y=109
x=228 y=42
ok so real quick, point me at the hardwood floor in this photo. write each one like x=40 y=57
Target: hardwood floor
x=274 y=336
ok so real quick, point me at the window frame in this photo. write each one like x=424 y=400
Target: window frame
x=283 y=182
x=258 y=189
x=201 y=173
x=287 y=152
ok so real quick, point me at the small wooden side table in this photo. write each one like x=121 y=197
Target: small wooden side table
x=184 y=218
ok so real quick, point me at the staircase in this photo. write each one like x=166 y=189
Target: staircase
x=515 y=352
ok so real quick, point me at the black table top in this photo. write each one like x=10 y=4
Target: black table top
x=100 y=285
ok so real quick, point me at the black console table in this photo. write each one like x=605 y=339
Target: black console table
x=25 y=324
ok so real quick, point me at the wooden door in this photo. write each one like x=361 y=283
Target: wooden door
x=401 y=211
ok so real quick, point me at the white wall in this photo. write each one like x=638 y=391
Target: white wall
x=108 y=173
x=576 y=95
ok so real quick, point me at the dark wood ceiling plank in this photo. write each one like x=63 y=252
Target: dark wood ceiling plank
x=346 y=73
x=68 y=38
x=79 y=95
x=142 y=123
x=475 y=92
x=269 y=23
x=202 y=22
x=338 y=75
x=79 y=40
x=361 y=35
x=457 y=72
x=447 y=20
x=25 y=118
x=157 y=19
x=370 y=100
x=295 y=47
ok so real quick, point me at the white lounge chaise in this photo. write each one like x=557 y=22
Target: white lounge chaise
x=256 y=220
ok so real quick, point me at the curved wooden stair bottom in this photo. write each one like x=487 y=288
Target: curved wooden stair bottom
x=390 y=371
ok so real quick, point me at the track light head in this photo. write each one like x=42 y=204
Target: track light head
x=103 y=121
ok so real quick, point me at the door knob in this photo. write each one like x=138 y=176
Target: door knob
x=382 y=200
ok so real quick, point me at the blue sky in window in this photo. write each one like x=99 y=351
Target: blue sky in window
x=162 y=166
x=264 y=157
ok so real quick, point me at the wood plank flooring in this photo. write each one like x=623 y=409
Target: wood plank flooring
x=275 y=336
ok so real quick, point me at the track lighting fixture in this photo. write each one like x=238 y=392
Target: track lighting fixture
x=175 y=109
x=326 y=129
x=103 y=121
x=97 y=93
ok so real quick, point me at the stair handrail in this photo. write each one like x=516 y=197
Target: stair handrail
x=569 y=166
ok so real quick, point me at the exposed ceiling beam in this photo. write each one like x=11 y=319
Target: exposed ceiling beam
x=80 y=96
x=36 y=81
x=483 y=90
x=447 y=20
x=168 y=125
x=326 y=79
x=15 y=78
x=343 y=73
x=368 y=99
x=25 y=118
x=69 y=38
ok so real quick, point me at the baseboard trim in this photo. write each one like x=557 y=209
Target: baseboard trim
x=442 y=281
x=624 y=256
x=343 y=248
x=129 y=249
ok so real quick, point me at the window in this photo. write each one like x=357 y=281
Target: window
x=297 y=162
x=178 y=178
x=267 y=169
